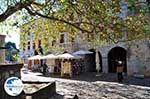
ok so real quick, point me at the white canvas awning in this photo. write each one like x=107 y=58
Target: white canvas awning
x=35 y=57
x=82 y=52
x=68 y=56
x=49 y=56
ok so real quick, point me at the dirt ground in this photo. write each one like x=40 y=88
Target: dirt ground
x=96 y=86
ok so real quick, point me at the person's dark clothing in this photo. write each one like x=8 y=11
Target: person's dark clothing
x=44 y=69
x=120 y=77
x=36 y=53
x=41 y=61
x=120 y=71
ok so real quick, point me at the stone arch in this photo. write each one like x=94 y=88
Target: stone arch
x=122 y=45
x=117 y=53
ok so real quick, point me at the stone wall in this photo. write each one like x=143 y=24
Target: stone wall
x=139 y=58
x=138 y=55
x=6 y=71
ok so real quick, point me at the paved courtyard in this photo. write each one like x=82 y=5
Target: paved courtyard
x=96 y=86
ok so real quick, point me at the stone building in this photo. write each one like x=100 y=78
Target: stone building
x=2 y=49
x=6 y=71
x=136 y=57
x=30 y=47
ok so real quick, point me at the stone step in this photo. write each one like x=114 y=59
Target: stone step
x=40 y=91
x=58 y=96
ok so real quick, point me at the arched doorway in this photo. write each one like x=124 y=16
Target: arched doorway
x=92 y=61
x=116 y=53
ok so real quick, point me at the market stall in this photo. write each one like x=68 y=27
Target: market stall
x=86 y=62
x=34 y=61
x=68 y=64
x=50 y=61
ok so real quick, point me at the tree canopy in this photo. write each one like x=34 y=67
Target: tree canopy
x=12 y=52
x=99 y=19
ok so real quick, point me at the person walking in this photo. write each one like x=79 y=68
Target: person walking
x=44 y=68
x=120 y=71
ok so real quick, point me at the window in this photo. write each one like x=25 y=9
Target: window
x=33 y=45
x=28 y=43
x=62 y=38
x=72 y=39
x=39 y=43
x=24 y=45
x=28 y=47
x=53 y=42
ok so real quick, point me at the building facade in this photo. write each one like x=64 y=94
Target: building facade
x=30 y=47
x=134 y=54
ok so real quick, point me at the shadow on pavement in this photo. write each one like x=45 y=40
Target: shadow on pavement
x=109 y=77
x=59 y=96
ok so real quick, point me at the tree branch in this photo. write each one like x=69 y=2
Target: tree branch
x=12 y=9
x=63 y=21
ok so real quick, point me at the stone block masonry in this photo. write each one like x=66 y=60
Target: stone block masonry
x=6 y=71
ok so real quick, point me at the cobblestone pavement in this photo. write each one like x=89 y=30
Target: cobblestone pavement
x=103 y=90
x=101 y=86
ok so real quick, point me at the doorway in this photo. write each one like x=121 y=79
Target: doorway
x=92 y=61
x=116 y=53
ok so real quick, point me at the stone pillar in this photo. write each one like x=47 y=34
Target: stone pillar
x=105 y=64
x=130 y=68
x=3 y=55
x=2 y=50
